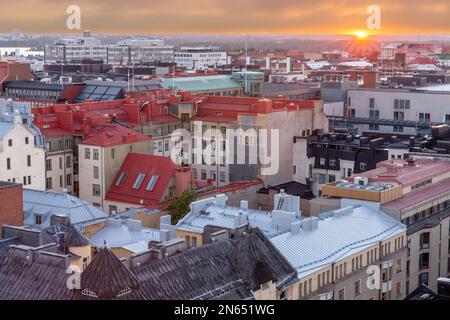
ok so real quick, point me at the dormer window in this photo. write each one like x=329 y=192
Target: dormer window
x=121 y=179
x=140 y=178
x=152 y=183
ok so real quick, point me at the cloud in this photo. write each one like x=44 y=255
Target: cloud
x=226 y=16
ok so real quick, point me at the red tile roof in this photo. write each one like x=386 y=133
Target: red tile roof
x=420 y=196
x=111 y=135
x=149 y=165
x=400 y=172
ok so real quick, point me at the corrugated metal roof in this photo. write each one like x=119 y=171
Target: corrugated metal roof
x=48 y=204
x=335 y=238
x=225 y=217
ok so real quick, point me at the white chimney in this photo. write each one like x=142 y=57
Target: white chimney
x=295 y=227
x=268 y=63
x=310 y=224
x=244 y=204
x=288 y=65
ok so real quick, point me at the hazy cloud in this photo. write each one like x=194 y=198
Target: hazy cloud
x=226 y=16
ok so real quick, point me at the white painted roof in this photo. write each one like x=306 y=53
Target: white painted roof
x=357 y=64
x=336 y=237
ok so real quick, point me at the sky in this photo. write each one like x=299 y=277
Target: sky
x=226 y=16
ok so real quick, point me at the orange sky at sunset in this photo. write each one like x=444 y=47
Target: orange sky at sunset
x=229 y=17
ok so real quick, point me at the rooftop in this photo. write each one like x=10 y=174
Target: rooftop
x=112 y=135
x=339 y=234
x=142 y=180
x=201 y=84
x=47 y=204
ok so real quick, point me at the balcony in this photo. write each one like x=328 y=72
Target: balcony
x=386 y=286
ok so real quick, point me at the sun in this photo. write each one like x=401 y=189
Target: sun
x=361 y=35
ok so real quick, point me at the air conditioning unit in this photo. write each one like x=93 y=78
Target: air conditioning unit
x=361 y=181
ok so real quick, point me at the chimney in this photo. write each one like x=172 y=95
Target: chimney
x=183 y=180
x=310 y=224
x=295 y=227
x=268 y=63
x=244 y=204
x=288 y=65
x=134 y=225
x=86 y=127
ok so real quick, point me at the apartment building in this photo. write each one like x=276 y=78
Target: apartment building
x=59 y=161
x=100 y=156
x=247 y=118
x=22 y=153
x=415 y=192
x=129 y=51
x=397 y=111
x=321 y=158
x=200 y=58
x=336 y=254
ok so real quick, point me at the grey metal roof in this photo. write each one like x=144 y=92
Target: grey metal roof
x=118 y=234
x=342 y=234
x=52 y=203
x=226 y=217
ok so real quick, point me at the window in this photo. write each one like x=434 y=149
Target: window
x=425 y=241
x=29 y=161
x=60 y=162
x=121 y=179
x=69 y=179
x=69 y=162
x=27 y=140
x=402 y=104
x=399 y=265
x=10 y=143
x=423 y=278
x=87 y=153
x=349 y=172
x=29 y=179
x=341 y=294
x=424 y=260
x=222 y=177
x=374 y=127
x=212 y=175
x=48 y=165
x=8 y=164
x=372 y=103
x=61 y=181
x=48 y=184
x=363 y=166
x=322 y=161
x=96 y=172
x=166 y=146
x=357 y=288
x=96 y=190
x=140 y=178
x=424 y=117
x=398 y=290
x=203 y=175
x=331 y=178
x=194 y=242
x=38 y=219
x=398 y=129
x=322 y=178
x=333 y=162
x=96 y=154
x=85 y=262
x=152 y=183
x=113 y=153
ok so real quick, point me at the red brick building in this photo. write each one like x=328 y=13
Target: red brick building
x=11 y=199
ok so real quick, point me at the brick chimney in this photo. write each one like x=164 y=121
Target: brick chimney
x=183 y=180
x=370 y=79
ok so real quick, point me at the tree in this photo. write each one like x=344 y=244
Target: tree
x=180 y=205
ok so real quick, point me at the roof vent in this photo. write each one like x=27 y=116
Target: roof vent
x=295 y=227
x=310 y=224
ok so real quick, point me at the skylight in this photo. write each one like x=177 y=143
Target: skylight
x=140 y=178
x=121 y=179
x=152 y=183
